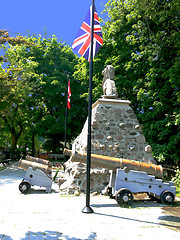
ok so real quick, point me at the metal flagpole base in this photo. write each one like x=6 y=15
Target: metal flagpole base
x=87 y=210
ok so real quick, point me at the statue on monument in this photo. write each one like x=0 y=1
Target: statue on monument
x=108 y=84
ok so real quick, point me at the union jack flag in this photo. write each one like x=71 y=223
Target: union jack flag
x=82 y=43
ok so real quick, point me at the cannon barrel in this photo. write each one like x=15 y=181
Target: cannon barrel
x=38 y=160
x=25 y=164
x=112 y=163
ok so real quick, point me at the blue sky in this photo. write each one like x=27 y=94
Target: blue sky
x=62 y=18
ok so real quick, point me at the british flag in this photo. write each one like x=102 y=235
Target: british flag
x=82 y=43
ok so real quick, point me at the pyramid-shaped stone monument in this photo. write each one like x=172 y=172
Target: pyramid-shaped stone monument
x=115 y=132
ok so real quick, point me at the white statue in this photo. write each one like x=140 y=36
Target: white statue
x=108 y=84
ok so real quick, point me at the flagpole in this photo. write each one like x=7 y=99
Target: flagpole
x=87 y=208
x=66 y=117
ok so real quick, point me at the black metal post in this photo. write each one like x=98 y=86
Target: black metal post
x=87 y=208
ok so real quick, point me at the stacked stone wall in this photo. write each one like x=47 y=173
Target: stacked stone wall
x=76 y=178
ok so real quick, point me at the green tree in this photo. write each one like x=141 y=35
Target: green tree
x=38 y=102
x=141 y=40
x=54 y=60
x=11 y=94
x=152 y=39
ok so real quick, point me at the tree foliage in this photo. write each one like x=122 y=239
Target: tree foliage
x=141 y=40
x=34 y=96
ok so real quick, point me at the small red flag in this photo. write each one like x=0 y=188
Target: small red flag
x=69 y=95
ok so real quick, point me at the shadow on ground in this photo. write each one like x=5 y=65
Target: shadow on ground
x=48 y=235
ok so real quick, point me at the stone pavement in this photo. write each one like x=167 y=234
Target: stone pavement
x=40 y=215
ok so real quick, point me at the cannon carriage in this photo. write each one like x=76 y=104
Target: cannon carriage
x=38 y=174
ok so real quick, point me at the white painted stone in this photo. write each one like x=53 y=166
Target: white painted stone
x=148 y=149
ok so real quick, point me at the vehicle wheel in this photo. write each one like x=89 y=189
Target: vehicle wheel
x=24 y=187
x=124 y=196
x=167 y=197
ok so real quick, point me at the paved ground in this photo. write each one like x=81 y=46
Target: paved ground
x=41 y=215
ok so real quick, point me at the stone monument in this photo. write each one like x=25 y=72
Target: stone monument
x=115 y=131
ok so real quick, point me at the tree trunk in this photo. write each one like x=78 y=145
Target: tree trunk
x=15 y=136
x=13 y=141
x=33 y=143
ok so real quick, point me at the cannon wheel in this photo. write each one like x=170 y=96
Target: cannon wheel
x=24 y=187
x=167 y=197
x=124 y=196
